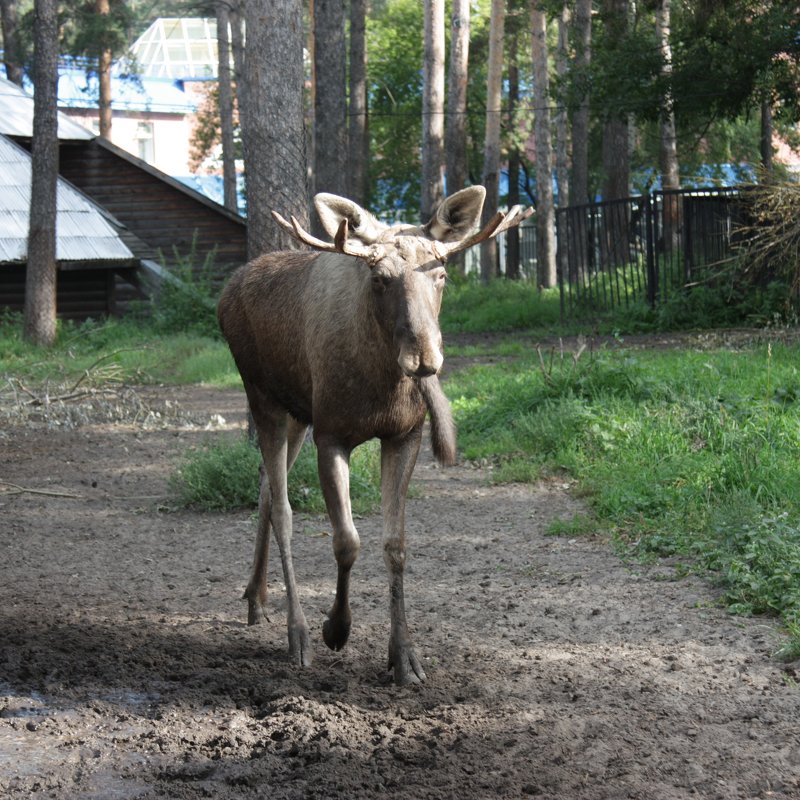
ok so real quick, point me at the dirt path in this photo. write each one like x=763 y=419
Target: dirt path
x=554 y=670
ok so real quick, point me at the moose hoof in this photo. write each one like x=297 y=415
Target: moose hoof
x=405 y=665
x=335 y=632
x=300 y=647
x=256 y=612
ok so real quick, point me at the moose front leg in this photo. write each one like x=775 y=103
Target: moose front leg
x=398 y=457
x=333 y=462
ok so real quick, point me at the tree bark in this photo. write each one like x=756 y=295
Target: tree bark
x=455 y=144
x=330 y=100
x=224 y=80
x=456 y=132
x=615 y=151
x=273 y=125
x=40 y=281
x=512 y=235
x=236 y=19
x=766 y=138
x=615 y=155
x=491 y=153
x=545 y=216
x=432 y=189
x=668 y=150
x=11 y=50
x=580 y=119
x=358 y=128
x=104 y=77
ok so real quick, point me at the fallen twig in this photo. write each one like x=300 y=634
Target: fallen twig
x=16 y=489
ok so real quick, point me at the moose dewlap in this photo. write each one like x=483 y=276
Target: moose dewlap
x=347 y=339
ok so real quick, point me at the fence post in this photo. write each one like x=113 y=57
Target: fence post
x=652 y=270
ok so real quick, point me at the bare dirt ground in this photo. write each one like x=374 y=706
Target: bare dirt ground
x=554 y=669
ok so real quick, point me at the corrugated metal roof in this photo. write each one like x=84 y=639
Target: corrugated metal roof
x=82 y=232
x=16 y=115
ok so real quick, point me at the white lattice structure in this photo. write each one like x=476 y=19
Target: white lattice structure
x=178 y=48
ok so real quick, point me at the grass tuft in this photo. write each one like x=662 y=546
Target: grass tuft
x=224 y=475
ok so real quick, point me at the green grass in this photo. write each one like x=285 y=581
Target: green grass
x=685 y=454
x=136 y=352
x=470 y=307
x=224 y=475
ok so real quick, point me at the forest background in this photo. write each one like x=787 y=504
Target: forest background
x=395 y=102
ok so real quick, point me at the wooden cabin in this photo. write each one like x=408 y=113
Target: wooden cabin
x=156 y=217
x=92 y=259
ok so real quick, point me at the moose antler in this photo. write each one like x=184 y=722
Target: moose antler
x=497 y=224
x=340 y=243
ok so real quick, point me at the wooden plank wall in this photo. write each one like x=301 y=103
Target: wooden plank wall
x=162 y=215
x=80 y=293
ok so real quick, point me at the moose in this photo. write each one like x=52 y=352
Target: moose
x=347 y=340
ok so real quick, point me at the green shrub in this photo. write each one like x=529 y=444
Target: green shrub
x=219 y=477
x=502 y=305
x=186 y=300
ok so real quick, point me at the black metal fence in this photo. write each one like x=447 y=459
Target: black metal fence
x=616 y=253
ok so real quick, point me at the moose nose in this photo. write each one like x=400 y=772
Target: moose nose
x=424 y=370
x=418 y=365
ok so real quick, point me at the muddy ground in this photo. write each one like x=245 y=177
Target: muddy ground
x=554 y=669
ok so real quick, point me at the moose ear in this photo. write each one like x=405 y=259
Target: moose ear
x=457 y=215
x=361 y=225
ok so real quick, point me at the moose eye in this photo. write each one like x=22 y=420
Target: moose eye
x=439 y=277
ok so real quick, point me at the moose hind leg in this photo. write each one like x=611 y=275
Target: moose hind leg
x=334 y=473
x=398 y=457
x=280 y=441
x=256 y=591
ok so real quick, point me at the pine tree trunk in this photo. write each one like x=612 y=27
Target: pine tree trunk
x=456 y=133
x=512 y=235
x=104 y=78
x=432 y=188
x=766 y=138
x=615 y=148
x=330 y=99
x=224 y=79
x=579 y=193
x=40 y=280
x=562 y=118
x=236 y=19
x=491 y=153
x=545 y=214
x=273 y=124
x=615 y=151
x=11 y=51
x=358 y=139
x=668 y=150
x=456 y=128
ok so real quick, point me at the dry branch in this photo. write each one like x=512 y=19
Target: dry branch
x=16 y=489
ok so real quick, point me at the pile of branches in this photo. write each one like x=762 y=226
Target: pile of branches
x=98 y=395
x=770 y=238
